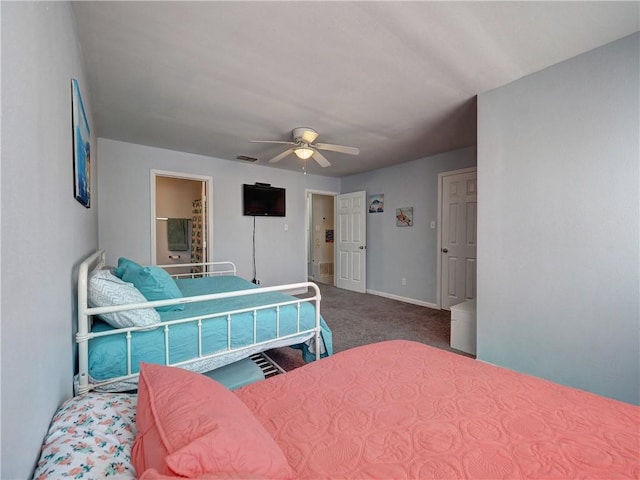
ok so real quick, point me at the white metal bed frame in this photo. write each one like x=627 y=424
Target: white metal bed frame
x=96 y=261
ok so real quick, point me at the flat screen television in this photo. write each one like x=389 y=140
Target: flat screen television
x=262 y=200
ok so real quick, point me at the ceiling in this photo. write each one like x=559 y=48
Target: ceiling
x=396 y=79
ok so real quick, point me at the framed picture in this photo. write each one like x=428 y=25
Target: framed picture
x=81 y=148
x=404 y=217
x=376 y=203
x=328 y=236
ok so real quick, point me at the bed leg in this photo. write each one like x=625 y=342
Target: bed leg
x=317 y=346
x=318 y=337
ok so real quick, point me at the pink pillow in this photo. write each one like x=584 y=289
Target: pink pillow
x=192 y=426
x=151 y=474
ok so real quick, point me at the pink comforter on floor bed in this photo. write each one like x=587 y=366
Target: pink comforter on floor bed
x=401 y=409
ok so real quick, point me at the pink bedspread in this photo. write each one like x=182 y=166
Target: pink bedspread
x=401 y=409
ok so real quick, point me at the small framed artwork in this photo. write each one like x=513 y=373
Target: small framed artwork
x=328 y=236
x=404 y=217
x=376 y=203
x=81 y=148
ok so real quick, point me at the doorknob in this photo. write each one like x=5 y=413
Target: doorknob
x=445 y=250
x=361 y=247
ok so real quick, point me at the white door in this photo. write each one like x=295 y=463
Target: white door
x=458 y=238
x=351 y=248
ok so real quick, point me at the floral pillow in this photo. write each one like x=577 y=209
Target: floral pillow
x=90 y=437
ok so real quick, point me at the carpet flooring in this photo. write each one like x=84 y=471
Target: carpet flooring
x=359 y=318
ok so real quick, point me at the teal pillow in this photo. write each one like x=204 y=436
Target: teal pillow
x=125 y=265
x=153 y=282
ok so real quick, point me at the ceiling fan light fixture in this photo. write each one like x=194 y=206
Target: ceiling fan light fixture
x=304 y=148
x=303 y=152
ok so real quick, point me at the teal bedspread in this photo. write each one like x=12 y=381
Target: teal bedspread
x=107 y=355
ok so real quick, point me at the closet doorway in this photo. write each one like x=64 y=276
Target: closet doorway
x=320 y=236
x=181 y=218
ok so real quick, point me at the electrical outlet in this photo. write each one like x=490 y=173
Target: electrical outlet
x=403 y=282
x=257 y=281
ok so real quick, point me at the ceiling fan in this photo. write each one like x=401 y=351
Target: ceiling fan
x=304 y=148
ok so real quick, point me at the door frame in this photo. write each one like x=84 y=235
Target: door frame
x=308 y=192
x=208 y=180
x=439 y=235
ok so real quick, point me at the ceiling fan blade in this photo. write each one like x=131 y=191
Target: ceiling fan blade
x=318 y=157
x=337 y=148
x=271 y=141
x=277 y=158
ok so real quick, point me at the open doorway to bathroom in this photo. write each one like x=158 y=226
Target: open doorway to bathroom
x=320 y=237
x=181 y=220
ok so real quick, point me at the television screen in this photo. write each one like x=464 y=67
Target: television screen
x=263 y=201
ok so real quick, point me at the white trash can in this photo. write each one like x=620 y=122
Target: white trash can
x=463 y=326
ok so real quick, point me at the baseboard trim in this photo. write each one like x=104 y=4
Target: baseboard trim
x=405 y=299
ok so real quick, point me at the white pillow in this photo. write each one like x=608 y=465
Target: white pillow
x=107 y=290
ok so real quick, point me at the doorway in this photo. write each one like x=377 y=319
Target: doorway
x=457 y=219
x=181 y=219
x=320 y=237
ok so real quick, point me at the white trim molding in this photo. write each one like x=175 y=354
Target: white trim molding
x=412 y=301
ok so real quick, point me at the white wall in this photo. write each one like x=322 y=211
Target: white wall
x=558 y=216
x=394 y=252
x=45 y=231
x=124 y=177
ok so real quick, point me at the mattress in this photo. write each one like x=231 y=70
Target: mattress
x=401 y=409
x=107 y=355
x=237 y=374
